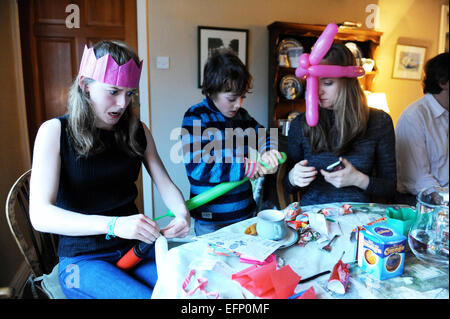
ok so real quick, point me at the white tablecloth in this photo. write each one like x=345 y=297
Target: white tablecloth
x=175 y=264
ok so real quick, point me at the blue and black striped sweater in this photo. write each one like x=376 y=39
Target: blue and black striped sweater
x=214 y=148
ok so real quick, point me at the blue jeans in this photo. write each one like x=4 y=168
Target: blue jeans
x=96 y=276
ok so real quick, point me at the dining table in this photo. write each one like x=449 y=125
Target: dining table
x=197 y=270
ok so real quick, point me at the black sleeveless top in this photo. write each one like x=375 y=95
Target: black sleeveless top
x=100 y=184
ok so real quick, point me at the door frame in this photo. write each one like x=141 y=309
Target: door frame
x=18 y=66
x=142 y=11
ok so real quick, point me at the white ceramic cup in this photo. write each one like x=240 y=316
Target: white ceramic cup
x=270 y=224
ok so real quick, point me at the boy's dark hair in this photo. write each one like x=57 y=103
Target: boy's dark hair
x=436 y=73
x=225 y=72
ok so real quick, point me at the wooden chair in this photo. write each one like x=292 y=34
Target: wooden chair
x=284 y=198
x=38 y=249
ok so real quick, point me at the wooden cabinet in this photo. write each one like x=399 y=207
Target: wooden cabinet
x=279 y=107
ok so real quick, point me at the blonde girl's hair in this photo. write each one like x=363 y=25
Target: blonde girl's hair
x=81 y=116
x=351 y=111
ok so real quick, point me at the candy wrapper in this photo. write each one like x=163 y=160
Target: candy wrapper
x=297 y=224
x=307 y=236
x=326 y=211
x=336 y=211
x=292 y=211
x=347 y=209
x=339 y=278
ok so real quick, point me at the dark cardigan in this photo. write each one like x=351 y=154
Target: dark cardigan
x=373 y=154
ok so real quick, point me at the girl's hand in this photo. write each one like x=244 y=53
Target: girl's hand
x=178 y=227
x=138 y=227
x=348 y=176
x=302 y=175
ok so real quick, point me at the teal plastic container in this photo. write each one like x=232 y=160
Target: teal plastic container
x=401 y=219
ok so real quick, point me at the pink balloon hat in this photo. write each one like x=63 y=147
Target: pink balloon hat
x=309 y=67
x=106 y=70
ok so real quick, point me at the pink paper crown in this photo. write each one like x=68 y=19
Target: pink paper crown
x=106 y=70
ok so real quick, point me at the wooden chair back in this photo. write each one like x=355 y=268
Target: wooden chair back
x=38 y=249
x=284 y=198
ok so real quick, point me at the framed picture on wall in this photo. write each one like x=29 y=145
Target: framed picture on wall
x=212 y=38
x=443 y=33
x=408 y=62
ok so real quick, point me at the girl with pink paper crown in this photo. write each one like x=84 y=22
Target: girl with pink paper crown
x=343 y=128
x=85 y=165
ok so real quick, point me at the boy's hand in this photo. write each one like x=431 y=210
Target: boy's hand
x=271 y=158
x=178 y=227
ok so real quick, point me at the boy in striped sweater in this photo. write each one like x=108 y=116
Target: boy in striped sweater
x=217 y=136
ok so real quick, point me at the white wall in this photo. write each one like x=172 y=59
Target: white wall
x=408 y=22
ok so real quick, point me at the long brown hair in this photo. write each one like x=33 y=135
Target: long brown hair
x=350 y=110
x=81 y=116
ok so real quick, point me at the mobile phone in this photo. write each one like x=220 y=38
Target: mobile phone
x=335 y=167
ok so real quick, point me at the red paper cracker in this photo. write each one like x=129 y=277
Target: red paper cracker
x=267 y=281
x=339 y=278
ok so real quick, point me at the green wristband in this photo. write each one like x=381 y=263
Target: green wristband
x=111 y=225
